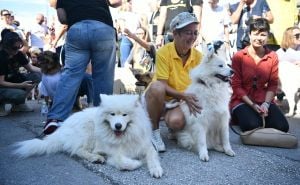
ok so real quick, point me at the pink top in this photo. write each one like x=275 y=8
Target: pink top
x=252 y=79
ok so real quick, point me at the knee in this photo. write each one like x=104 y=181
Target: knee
x=156 y=90
x=175 y=123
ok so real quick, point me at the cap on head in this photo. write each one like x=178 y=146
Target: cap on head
x=183 y=19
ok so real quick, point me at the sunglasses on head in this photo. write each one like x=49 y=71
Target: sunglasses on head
x=297 y=36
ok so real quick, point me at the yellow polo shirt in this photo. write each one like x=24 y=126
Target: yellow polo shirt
x=169 y=67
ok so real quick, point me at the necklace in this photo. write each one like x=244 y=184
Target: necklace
x=183 y=55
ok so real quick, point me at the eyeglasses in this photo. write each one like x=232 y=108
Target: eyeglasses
x=6 y=14
x=190 y=32
x=297 y=36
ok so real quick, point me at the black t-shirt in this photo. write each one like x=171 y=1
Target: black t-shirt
x=9 y=67
x=175 y=8
x=78 y=10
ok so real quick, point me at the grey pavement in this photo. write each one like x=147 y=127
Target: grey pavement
x=251 y=165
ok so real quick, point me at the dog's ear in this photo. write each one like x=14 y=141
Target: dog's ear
x=208 y=50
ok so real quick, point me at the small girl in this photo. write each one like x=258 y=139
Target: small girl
x=51 y=73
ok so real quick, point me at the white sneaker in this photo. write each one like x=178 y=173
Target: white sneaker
x=21 y=108
x=157 y=142
x=3 y=112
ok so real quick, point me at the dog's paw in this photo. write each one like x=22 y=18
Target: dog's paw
x=96 y=159
x=131 y=165
x=204 y=156
x=230 y=152
x=156 y=171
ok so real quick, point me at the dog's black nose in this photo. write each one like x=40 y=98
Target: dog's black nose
x=118 y=126
x=231 y=71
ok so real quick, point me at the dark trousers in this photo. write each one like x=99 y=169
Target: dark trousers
x=249 y=119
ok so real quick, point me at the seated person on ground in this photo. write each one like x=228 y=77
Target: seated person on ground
x=173 y=64
x=15 y=86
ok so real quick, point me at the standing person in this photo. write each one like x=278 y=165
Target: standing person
x=14 y=86
x=37 y=34
x=90 y=37
x=5 y=21
x=241 y=12
x=130 y=20
x=255 y=82
x=173 y=64
x=214 y=23
x=168 y=10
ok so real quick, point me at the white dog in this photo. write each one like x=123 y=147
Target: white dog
x=209 y=129
x=290 y=82
x=119 y=129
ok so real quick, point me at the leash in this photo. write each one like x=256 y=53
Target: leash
x=250 y=131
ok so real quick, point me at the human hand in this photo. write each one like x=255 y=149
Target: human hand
x=159 y=40
x=193 y=103
x=264 y=107
x=28 y=85
x=127 y=32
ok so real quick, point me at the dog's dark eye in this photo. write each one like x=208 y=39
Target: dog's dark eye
x=124 y=115
x=221 y=65
x=112 y=114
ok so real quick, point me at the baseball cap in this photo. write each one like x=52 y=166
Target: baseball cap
x=183 y=19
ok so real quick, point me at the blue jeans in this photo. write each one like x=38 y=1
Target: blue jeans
x=86 y=87
x=125 y=48
x=86 y=41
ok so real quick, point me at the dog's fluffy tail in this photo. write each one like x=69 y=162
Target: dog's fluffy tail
x=33 y=147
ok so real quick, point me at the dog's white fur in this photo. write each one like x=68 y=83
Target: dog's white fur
x=119 y=129
x=290 y=83
x=209 y=129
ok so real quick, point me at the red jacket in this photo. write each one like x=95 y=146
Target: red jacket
x=252 y=79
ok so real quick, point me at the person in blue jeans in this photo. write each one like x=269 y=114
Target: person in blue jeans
x=90 y=37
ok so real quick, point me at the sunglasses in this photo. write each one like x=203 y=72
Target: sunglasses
x=6 y=14
x=190 y=32
x=297 y=36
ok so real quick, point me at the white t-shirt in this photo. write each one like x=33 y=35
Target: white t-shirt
x=213 y=22
x=47 y=86
x=38 y=35
x=290 y=55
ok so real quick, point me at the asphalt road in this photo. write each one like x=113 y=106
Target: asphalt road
x=251 y=165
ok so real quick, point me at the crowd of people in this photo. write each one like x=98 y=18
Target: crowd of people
x=84 y=44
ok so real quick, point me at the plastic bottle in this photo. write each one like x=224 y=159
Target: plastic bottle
x=44 y=109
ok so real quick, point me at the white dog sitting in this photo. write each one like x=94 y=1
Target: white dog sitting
x=119 y=129
x=209 y=129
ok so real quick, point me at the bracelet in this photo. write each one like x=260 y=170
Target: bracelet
x=268 y=104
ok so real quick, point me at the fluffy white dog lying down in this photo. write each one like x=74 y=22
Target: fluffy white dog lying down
x=119 y=129
x=209 y=129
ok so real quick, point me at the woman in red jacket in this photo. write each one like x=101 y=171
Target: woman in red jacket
x=255 y=82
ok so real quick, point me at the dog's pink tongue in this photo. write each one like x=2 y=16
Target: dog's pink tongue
x=118 y=133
